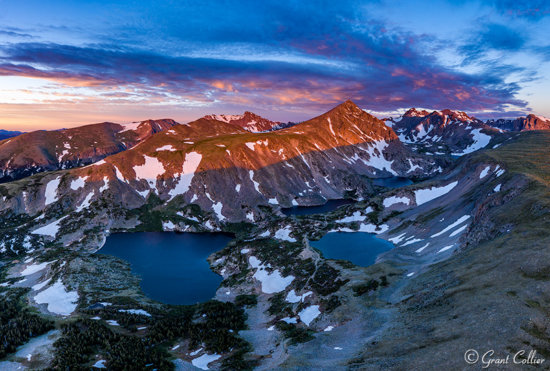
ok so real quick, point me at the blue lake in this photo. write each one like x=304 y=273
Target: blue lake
x=172 y=266
x=308 y=210
x=360 y=248
x=393 y=182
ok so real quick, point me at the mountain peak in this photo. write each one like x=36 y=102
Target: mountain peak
x=413 y=112
x=248 y=121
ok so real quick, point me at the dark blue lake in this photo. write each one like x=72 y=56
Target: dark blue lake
x=360 y=248
x=308 y=210
x=172 y=266
x=393 y=182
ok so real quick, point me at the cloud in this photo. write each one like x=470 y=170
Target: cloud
x=530 y=9
x=271 y=55
x=493 y=37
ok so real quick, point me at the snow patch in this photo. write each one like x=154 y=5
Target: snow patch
x=167 y=147
x=49 y=229
x=307 y=315
x=284 y=234
x=484 y=172
x=272 y=282
x=203 y=361
x=291 y=297
x=460 y=220
x=425 y=195
x=396 y=200
x=51 y=190
x=190 y=165
x=78 y=183
x=59 y=300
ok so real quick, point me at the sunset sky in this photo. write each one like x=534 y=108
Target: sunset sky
x=70 y=63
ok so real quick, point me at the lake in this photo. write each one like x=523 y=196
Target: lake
x=308 y=210
x=393 y=182
x=172 y=266
x=360 y=248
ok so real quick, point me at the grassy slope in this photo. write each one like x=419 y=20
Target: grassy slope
x=492 y=296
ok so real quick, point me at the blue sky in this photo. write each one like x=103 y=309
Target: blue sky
x=68 y=63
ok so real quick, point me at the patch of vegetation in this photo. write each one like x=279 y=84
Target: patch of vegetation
x=17 y=323
x=326 y=280
x=240 y=230
x=294 y=333
x=279 y=305
x=331 y=303
x=212 y=324
x=246 y=300
x=370 y=285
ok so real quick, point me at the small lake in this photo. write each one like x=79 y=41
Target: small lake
x=172 y=266
x=308 y=210
x=393 y=182
x=360 y=248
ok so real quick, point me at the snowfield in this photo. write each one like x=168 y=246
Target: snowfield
x=78 y=183
x=33 y=268
x=455 y=224
x=51 y=190
x=291 y=297
x=190 y=165
x=284 y=234
x=50 y=229
x=484 y=172
x=203 y=361
x=150 y=170
x=396 y=200
x=480 y=141
x=425 y=195
x=59 y=300
x=308 y=314
x=272 y=282
x=86 y=202
x=356 y=217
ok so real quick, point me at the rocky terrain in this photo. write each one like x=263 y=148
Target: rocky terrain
x=445 y=132
x=39 y=151
x=530 y=122
x=467 y=271
x=250 y=122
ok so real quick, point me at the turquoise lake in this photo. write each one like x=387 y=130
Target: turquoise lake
x=172 y=266
x=360 y=248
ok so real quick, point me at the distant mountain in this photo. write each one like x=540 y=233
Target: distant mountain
x=230 y=174
x=530 y=122
x=38 y=151
x=442 y=132
x=5 y=134
x=250 y=122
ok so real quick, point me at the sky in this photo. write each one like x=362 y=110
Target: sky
x=70 y=63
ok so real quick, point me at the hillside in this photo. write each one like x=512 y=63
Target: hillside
x=42 y=150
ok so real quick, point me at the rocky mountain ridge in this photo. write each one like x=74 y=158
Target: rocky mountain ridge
x=250 y=122
x=42 y=150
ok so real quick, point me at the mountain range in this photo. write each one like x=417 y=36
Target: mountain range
x=230 y=172
x=468 y=229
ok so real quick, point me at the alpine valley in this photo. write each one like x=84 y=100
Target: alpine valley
x=468 y=267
